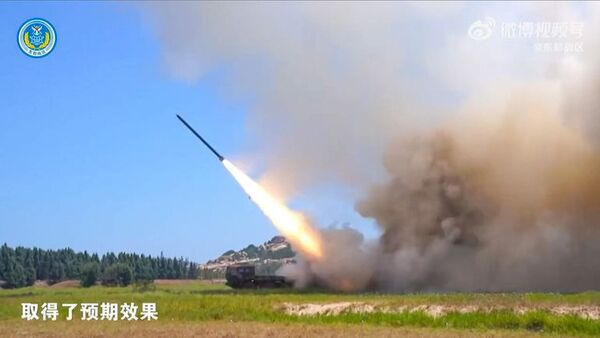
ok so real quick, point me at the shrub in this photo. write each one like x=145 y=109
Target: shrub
x=89 y=274
x=117 y=275
x=144 y=285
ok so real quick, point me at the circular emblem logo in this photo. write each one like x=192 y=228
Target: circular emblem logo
x=36 y=38
x=481 y=29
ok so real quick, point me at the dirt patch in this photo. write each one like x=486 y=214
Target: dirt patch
x=41 y=284
x=588 y=312
x=71 y=283
x=327 y=309
x=332 y=309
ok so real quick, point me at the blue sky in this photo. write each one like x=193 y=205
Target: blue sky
x=91 y=154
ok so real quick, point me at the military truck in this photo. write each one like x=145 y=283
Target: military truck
x=240 y=276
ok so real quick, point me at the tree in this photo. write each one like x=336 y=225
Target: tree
x=192 y=271
x=14 y=275
x=117 y=275
x=57 y=272
x=144 y=274
x=30 y=275
x=22 y=266
x=89 y=274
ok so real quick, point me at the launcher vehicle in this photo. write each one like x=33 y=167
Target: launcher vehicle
x=243 y=276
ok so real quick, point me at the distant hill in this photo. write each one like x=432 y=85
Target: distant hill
x=267 y=258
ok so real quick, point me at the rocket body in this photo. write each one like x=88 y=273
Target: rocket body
x=221 y=158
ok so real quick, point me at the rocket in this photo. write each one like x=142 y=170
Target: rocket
x=221 y=158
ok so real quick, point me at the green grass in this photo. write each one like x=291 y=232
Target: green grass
x=206 y=302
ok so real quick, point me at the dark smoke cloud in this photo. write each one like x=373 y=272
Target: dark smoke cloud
x=514 y=205
x=504 y=201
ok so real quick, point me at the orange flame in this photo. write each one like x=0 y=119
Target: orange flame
x=291 y=224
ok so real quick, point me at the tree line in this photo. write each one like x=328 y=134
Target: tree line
x=23 y=266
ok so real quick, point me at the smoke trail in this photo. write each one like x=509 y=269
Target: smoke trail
x=490 y=179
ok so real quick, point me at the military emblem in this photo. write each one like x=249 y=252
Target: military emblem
x=36 y=38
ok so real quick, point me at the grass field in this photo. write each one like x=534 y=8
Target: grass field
x=214 y=310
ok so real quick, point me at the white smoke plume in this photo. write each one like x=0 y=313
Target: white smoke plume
x=490 y=178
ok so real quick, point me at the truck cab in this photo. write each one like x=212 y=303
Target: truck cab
x=239 y=276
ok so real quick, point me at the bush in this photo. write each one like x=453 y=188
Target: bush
x=144 y=285
x=117 y=275
x=89 y=274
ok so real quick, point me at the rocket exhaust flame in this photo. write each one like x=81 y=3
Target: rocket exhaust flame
x=291 y=224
